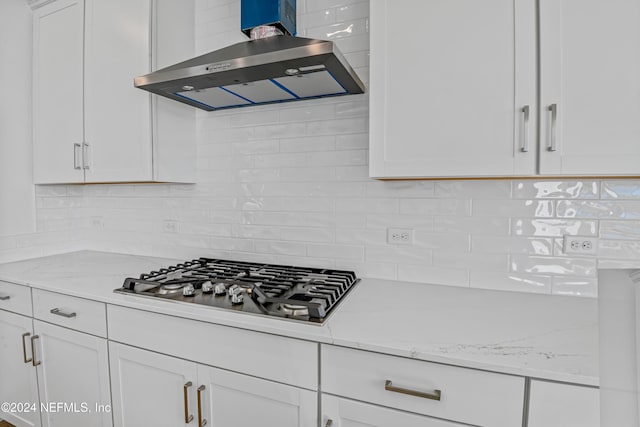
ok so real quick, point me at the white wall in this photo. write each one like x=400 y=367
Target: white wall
x=288 y=184
x=17 y=199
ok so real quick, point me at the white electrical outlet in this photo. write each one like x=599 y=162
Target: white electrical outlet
x=400 y=236
x=580 y=245
x=170 y=226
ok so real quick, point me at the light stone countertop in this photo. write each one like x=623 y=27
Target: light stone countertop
x=541 y=336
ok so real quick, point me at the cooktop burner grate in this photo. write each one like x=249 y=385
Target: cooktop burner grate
x=300 y=293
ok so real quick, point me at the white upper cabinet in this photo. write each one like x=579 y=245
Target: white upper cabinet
x=90 y=123
x=58 y=134
x=452 y=81
x=590 y=63
x=452 y=88
x=117 y=115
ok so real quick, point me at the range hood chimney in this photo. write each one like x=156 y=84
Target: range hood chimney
x=275 y=68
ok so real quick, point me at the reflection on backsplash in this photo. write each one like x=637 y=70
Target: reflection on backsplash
x=290 y=185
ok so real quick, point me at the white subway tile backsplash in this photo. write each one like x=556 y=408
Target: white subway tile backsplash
x=474 y=261
x=511 y=245
x=442 y=276
x=288 y=183
x=351 y=12
x=510 y=282
x=435 y=206
x=343 y=252
x=521 y=263
x=475 y=189
x=628 y=189
x=510 y=208
x=575 y=286
x=280 y=248
x=475 y=225
x=531 y=189
x=553 y=227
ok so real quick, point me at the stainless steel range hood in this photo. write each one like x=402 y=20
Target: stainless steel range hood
x=274 y=69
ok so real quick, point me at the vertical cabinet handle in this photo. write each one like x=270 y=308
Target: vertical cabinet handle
x=553 y=109
x=187 y=418
x=24 y=348
x=524 y=144
x=76 y=149
x=201 y=421
x=85 y=156
x=33 y=351
x=435 y=395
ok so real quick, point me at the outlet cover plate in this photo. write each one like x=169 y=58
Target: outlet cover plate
x=580 y=245
x=400 y=236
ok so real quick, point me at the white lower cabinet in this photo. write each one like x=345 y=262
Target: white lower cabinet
x=441 y=391
x=339 y=412
x=154 y=389
x=563 y=405
x=150 y=389
x=73 y=371
x=18 y=380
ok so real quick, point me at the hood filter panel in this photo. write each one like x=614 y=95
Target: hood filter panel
x=290 y=88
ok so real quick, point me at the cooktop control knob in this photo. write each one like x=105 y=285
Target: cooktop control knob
x=235 y=290
x=220 y=289
x=207 y=287
x=188 y=291
x=237 y=298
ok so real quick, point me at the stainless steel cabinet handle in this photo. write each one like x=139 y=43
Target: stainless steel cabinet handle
x=24 y=348
x=59 y=312
x=553 y=108
x=329 y=423
x=5 y=297
x=435 y=395
x=187 y=418
x=201 y=421
x=33 y=351
x=85 y=156
x=524 y=145
x=76 y=164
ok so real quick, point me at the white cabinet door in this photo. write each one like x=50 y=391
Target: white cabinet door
x=150 y=389
x=73 y=370
x=563 y=405
x=590 y=63
x=117 y=115
x=58 y=46
x=339 y=412
x=231 y=399
x=18 y=380
x=449 y=82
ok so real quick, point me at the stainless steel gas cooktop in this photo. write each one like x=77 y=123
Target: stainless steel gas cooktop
x=298 y=293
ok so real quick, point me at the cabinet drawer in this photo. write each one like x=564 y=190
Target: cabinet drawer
x=71 y=312
x=271 y=357
x=465 y=395
x=16 y=298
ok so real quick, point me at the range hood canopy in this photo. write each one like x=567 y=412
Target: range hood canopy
x=274 y=69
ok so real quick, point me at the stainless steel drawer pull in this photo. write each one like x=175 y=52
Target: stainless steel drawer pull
x=5 y=297
x=85 y=156
x=435 y=395
x=553 y=108
x=33 y=351
x=24 y=348
x=524 y=147
x=187 y=418
x=76 y=148
x=201 y=421
x=58 y=312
